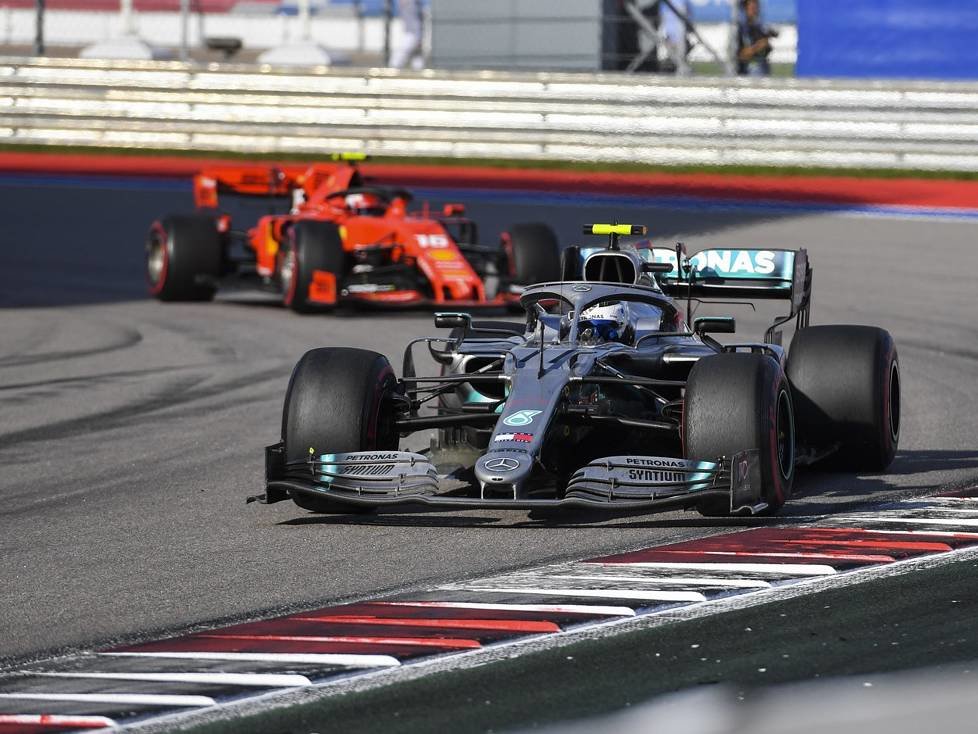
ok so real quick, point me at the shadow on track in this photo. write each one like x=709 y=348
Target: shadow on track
x=534 y=520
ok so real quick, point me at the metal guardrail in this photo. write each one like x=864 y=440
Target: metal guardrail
x=533 y=116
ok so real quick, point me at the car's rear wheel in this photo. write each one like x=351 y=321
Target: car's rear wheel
x=339 y=400
x=845 y=382
x=184 y=258
x=311 y=265
x=737 y=402
x=534 y=253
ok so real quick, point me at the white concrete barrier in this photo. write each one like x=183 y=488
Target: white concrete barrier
x=534 y=116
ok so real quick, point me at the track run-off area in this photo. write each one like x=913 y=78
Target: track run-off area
x=131 y=433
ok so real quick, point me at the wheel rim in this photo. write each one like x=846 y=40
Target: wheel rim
x=287 y=274
x=156 y=260
x=785 y=431
x=894 y=398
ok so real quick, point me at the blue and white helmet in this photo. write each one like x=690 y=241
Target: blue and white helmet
x=608 y=319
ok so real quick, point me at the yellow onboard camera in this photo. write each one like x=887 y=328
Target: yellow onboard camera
x=614 y=231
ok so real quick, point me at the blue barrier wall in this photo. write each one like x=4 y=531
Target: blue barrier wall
x=896 y=39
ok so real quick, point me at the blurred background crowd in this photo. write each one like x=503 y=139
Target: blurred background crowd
x=878 y=38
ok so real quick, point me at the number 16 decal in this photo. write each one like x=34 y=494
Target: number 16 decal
x=432 y=240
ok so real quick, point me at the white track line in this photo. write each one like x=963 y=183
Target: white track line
x=634 y=594
x=545 y=608
x=962 y=534
x=128 y=699
x=265 y=680
x=669 y=580
x=779 y=569
x=349 y=661
x=59 y=720
x=913 y=520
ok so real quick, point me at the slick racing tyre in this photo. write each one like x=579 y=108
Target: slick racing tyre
x=534 y=254
x=571 y=266
x=339 y=400
x=736 y=402
x=845 y=382
x=310 y=246
x=184 y=258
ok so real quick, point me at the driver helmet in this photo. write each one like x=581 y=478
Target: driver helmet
x=363 y=202
x=608 y=319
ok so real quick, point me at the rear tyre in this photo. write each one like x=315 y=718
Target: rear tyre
x=535 y=253
x=311 y=246
x=339 y=400
x=736 y=402
x=184 y=258
x=570 y=263
x=845 y=382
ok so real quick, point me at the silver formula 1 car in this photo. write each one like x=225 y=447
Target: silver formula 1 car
x=605 y=397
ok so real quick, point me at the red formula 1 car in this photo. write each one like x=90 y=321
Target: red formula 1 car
x=335 y=237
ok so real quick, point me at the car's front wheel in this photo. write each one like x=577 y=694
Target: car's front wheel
x=311 y=265
x=339 y=400
x=737 y=402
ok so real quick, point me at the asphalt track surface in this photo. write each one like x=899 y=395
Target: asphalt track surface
x=131 y=431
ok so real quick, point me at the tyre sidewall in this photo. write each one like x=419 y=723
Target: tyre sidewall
x=731 y=405
x=311 y=246
x=191 y=247
x=846 y=384
x=535 y=253
x=339 y=401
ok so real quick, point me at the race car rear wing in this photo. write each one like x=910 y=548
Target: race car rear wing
x=743 y=274
x=268 y=181
x=263 y=181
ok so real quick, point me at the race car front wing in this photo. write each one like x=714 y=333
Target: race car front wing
x=389 y=478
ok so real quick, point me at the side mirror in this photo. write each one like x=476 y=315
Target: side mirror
x=714 y=325
x=453 y=320
x=453 y=210
x=658 y=267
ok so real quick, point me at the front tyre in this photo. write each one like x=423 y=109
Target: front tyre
x=184 y=258
x=311 y=266
x=737 y=402
x=845 y=382
x=339 y=400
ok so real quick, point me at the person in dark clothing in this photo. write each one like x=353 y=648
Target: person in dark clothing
x=753 y=41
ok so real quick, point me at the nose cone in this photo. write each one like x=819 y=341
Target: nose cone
x=504 y=471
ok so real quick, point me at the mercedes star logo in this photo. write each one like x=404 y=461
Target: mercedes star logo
x=502 y=464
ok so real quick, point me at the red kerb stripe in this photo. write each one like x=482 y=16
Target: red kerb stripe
x=419 y=641
x=503 y=625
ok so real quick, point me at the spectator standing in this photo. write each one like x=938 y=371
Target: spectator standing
x=753 y=41
x=410 y=48
x=674 y=29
